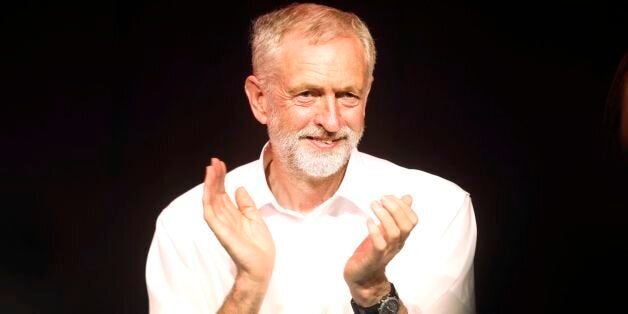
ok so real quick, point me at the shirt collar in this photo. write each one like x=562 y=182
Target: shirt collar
x=353 y=188
x=263 y=196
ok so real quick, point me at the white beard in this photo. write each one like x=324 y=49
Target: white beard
x=293 y=150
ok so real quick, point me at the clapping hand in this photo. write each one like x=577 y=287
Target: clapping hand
x=239 y=227
x=365 y=270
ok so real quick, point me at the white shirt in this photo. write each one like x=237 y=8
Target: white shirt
x=188 y=271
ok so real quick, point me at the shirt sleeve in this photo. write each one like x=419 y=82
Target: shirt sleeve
x=458 y=249
x=436 y=275
x=171 y=283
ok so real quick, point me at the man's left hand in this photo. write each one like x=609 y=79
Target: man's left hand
x=365 y=270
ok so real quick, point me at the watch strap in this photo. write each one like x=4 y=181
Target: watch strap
x=375 y=308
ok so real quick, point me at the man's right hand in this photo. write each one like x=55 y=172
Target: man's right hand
x=240 y=229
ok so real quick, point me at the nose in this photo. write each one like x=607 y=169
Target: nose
x=328 y=115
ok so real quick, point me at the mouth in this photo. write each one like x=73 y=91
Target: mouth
x=321 y=142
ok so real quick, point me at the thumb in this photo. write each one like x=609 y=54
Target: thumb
x=407 y=199
x=245 y=202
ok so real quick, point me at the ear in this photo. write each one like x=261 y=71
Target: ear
x=366 y=94
x=258 y=100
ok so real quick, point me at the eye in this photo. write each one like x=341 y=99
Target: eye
x=348 y=99
x=306 y=94
x=305 y=97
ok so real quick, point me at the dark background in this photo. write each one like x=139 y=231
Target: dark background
x=111 y=110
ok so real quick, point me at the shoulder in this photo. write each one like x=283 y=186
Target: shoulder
x=429 y=191
x=394 y=174
x=244 y=175
x=186 y=210
x=182 y=212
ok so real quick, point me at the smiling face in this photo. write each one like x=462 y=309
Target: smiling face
x=316 y=103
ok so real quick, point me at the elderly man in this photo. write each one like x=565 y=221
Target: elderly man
x=313 y=226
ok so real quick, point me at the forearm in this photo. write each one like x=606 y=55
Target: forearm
x=246 y=296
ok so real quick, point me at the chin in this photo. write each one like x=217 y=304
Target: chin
x=321 y=165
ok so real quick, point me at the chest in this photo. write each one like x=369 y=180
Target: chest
x=309 y=263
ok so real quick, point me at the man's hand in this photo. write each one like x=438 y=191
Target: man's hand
x=240 y=230
x=365 y=270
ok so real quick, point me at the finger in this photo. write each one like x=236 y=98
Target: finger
x=209 y=210
x=210 y=178
x=245 y=203
x=216 y=206
x=400 y=212
x=219 y=217
x=388 y=224
x=225 y=209
x=411 y=213
x=210 y=175
x=407 y=199
x=379 y=243
x=221 y=171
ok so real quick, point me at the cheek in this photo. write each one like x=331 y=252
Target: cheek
x=296 y=119
x=354 y=118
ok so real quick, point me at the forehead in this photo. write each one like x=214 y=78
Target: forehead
x=335 y=59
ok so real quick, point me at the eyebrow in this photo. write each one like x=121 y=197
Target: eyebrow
x=307 y=86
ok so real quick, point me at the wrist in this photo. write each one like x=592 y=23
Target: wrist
x=245 y=282
x=387 y=304
x=246 y=295
x=368 y=295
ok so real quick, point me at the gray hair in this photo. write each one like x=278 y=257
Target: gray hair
x=318 y=22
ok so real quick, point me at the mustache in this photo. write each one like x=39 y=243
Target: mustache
x=318 y=132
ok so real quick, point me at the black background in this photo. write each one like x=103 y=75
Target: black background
x=111 y=110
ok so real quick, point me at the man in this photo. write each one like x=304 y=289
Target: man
x=313 y=226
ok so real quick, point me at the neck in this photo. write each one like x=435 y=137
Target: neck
x=295 y=190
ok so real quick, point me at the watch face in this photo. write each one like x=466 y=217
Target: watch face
x=389 y=306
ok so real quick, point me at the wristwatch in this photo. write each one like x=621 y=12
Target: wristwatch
x=389 y=304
